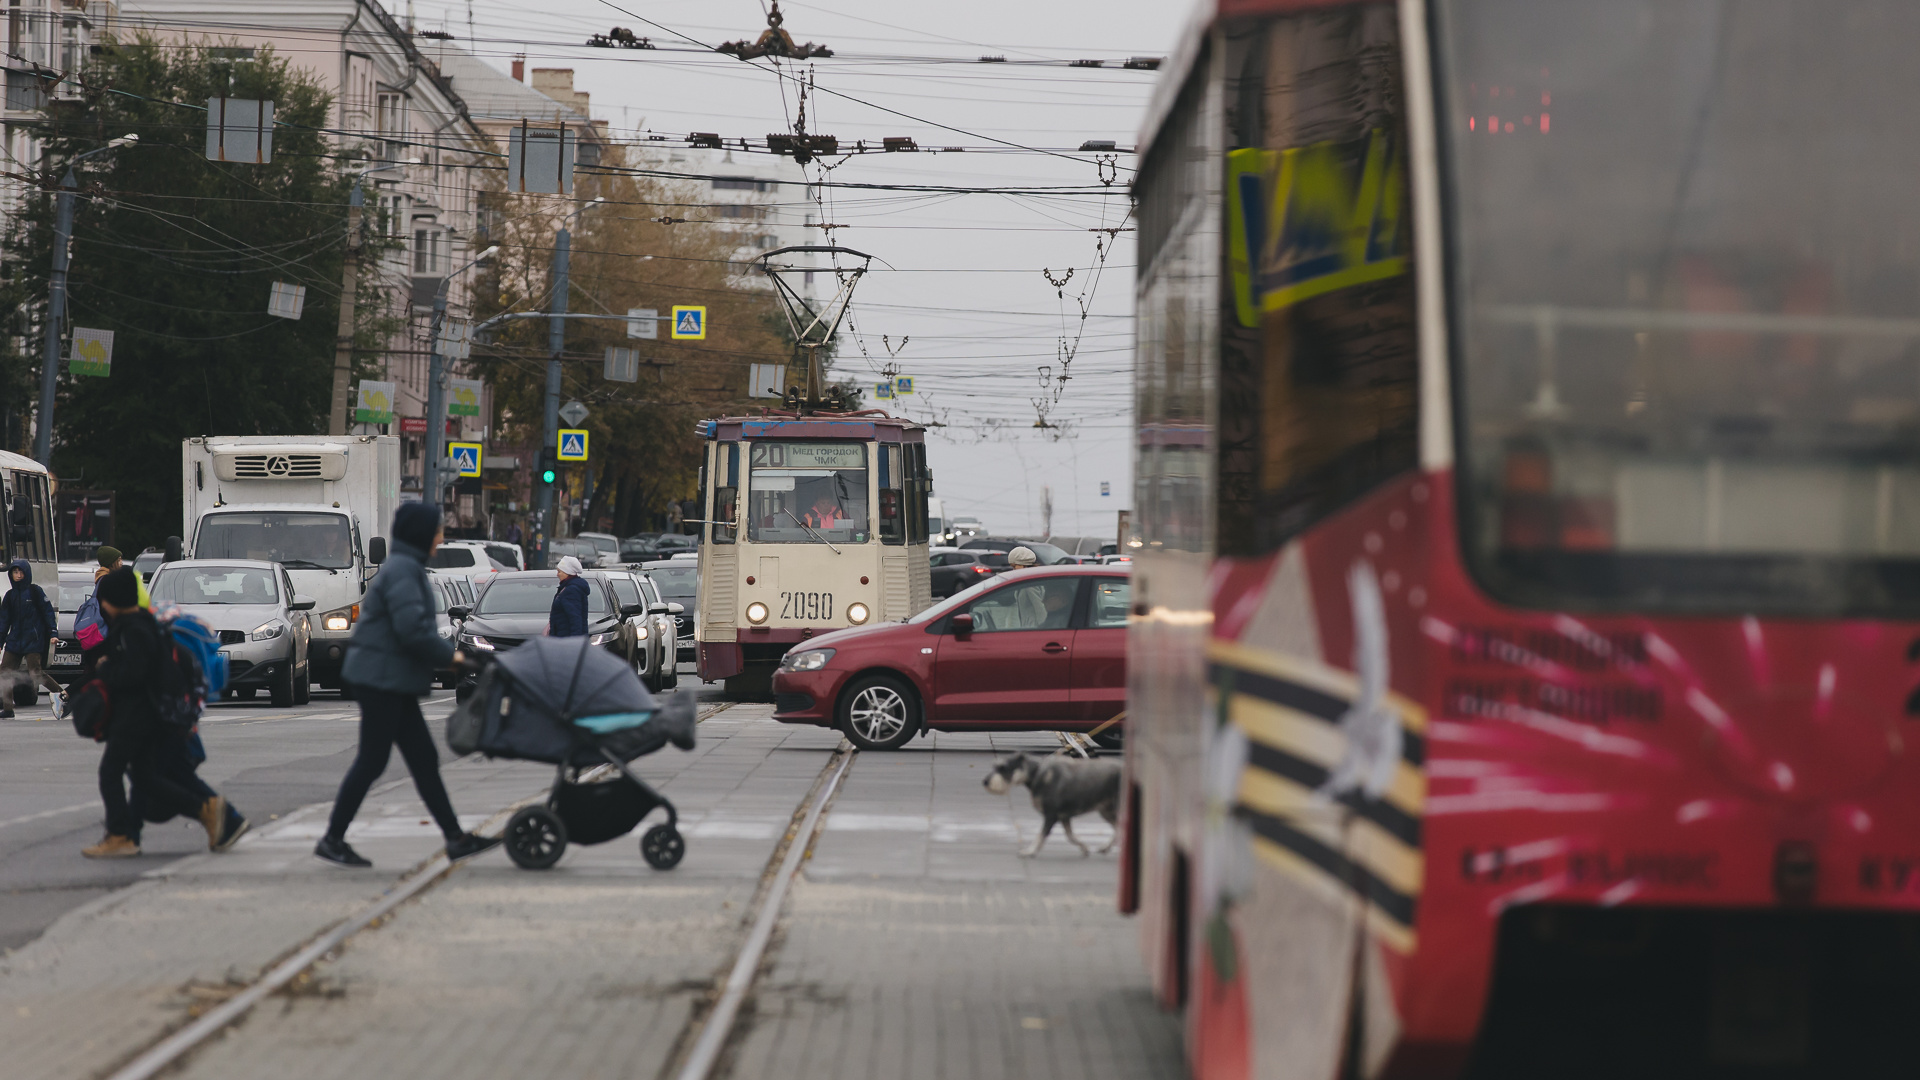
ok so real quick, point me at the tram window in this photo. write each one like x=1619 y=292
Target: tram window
x=893 y=517
x=1319 y=357
x=726 y=492
x=918 y=488
x=807 y=493
x=29 y=522
x=1689 y=372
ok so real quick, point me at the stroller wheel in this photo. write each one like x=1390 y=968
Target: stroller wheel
x=662 y=847
x=536 y=838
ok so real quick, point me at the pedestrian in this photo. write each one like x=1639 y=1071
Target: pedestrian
x=110 y=558
x=137 y=742
x=568 y=618
x=392 y=658
x=1021 y=557
x=28 y=627
x=513 y=532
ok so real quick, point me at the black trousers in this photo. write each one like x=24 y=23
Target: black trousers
x=175 y=760
x=134 y=747
x=387 y=720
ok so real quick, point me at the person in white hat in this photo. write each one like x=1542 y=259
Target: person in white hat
x=568 y=618
x=1021 y=557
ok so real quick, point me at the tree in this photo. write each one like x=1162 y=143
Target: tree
x=177 y=256
x=645 y=451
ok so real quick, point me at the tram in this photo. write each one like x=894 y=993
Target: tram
x=1527 y=539
x=813 y=523
x=26 y=492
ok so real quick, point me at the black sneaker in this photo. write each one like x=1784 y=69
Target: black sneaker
x=470 y=845
x=339 y=854
x=234 y=827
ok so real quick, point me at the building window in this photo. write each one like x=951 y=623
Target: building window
x=736 y=183
x=427 y=253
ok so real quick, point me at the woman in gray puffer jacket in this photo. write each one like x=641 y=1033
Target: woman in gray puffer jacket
x=395 y=649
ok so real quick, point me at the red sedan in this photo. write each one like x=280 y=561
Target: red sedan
x=1040 y=649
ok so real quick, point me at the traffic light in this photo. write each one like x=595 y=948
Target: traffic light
x=549 y=469
x=547 y=475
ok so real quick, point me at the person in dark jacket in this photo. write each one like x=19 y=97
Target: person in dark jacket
x=569 y=615
x=137 y=648
x=27 y=627
x=392 y=657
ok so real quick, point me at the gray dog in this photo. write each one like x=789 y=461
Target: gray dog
x=1062 y=788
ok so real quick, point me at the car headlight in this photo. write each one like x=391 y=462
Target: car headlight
x=475 y=641
x=756 y=613
x=857 y=613
x=340 y=619
x=640 y=632
x=446 y=631
x=268 y=631
x=811 y=660
x=603 y=639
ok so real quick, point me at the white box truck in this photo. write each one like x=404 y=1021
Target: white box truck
x=320 y=505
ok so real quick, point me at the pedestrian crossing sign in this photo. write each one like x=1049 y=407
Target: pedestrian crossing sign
x=573 y=444
x=466 y=457
x=689 y=323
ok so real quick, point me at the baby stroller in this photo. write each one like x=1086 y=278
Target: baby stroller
x=564 y=701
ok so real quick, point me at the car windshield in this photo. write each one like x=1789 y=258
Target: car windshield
x=1689 y=301
x=579 y=549
x=299 y=541
x=957 y=600
x=603 y=543
x=448 y=557
x=504 y=555
x=215 y=585
x=807 y=493
x=533 y=596
x=74 y=590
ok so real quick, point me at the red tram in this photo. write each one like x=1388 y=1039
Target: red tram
x=1527 y=539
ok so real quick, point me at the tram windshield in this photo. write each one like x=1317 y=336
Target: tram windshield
x=1688 y=301
x=807 y=493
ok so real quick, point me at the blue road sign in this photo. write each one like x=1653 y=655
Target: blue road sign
x=689 y=323
x=573 y=444
x=883 y=391
x=466 y=457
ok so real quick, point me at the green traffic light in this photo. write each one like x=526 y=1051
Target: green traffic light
x=547 y=476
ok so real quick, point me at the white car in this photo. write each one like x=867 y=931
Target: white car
x=261 y=621
x=605 y=545
x=466 y=558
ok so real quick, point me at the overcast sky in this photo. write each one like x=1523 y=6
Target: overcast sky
x=965 y=285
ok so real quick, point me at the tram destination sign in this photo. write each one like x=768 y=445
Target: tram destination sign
x=810 y=455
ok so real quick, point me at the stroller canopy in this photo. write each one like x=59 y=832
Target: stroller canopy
x=566 y=678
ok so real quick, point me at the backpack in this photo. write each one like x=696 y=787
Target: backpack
x=89 y=626
x=196 y=669
x=91 y=710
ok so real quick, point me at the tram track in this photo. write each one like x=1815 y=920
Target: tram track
x=705 y=1036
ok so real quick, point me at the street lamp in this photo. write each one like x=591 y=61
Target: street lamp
x=556 y=341
x=436 y=366
x=57 y=299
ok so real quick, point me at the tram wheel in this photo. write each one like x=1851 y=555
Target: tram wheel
x=536 y=838
x=663 y=847
x=879 y=712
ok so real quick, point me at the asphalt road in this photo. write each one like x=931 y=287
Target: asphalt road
x=267 y=761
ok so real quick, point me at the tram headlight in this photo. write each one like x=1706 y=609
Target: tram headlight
x=857 y=613
x=756 y=613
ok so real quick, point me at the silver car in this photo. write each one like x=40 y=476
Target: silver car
x=261 y=621
x=657 y=657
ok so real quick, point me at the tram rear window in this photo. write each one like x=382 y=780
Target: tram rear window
x=1689 y=301
x=807 y=493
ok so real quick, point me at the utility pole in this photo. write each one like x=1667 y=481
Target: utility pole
x=56 y=318
x=57 y=300
x=556 y=341
x=343 y=342
x=436 y=384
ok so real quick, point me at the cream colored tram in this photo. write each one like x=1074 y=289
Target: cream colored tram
x=27 y=491
x=811 y=524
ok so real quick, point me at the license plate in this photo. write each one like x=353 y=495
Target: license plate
x=66 y=659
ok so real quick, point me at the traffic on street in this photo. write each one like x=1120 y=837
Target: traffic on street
x=1255 y=540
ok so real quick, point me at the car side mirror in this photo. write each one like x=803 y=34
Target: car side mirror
x=377 y=550
x=676 y=609
x=628 y=611
x=962 y=625
x=302 y=602
x=657 y=609
x=175 y=551
x=459 y=612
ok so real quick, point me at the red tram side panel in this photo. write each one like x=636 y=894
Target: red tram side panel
x=1439 y=758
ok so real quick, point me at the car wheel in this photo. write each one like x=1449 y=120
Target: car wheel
x=303 y=689
x=26 y=694
x=879 y=712
x=282 y=689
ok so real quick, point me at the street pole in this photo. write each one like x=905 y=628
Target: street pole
x=436 y=402
x=556 y=341
x=56 y=318
x=343 y=340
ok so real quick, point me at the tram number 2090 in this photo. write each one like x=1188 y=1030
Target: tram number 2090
x=806 y=605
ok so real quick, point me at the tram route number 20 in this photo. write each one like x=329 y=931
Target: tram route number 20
x=806 y=605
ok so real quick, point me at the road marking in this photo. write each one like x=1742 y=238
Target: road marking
x=44 y=814
x=719 y=1023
